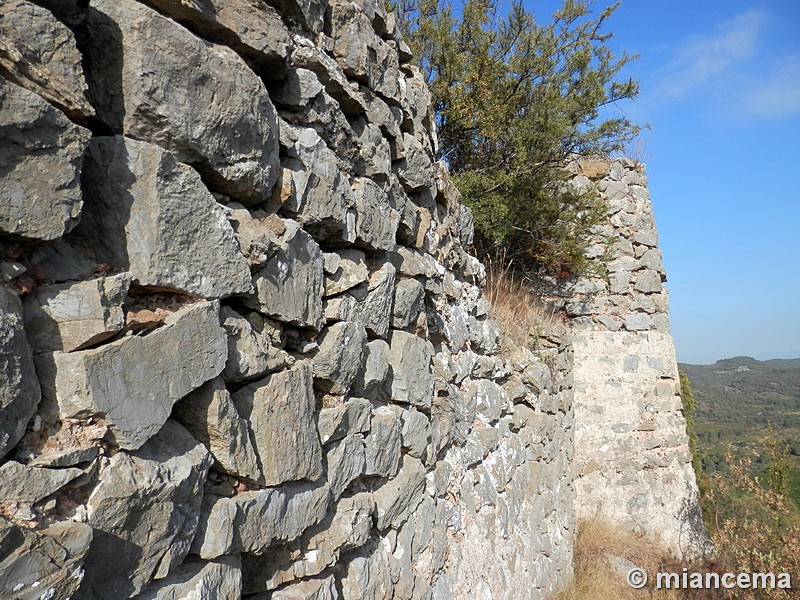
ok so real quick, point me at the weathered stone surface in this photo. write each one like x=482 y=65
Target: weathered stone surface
x=376 y=221
x=368 y=575
x=209 y=414
x=383 y=444
x=396 y=498
x=202 y=102
x=36 y=138
x=489 y=399
x=290 y=287
x=298 y=88
x=280 y=412
x=345 y=460
x=310 y=589
x=416 y=430
x=19 y=387
x=19 y=483
x=370 y=303
x=42 y=564
x=220 y=579
x=410 y=362
x=39 y=53
x=254 y=346
x=341 y=353
x=408 y=297
x=374 y=371
x=71 y=316
x=152 y=216
x=320 y=197
x=414 y=171
x=134 y=382
x=344 y=269
x=144 y=512
x=252 y=521
x=339 y=421
x=253 y=29
x=347 y=527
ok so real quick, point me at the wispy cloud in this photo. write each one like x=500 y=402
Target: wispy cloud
x=777 y=94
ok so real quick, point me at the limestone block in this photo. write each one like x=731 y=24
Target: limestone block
x=336 y=422
x=348 y=527
x=47 y=563
x=376 y=220
x=19 y=385
x=375 y=154
x=310 y=589
x=374 y=371
x=398 y=497
x=71 y=316
x=383 y=443
x=368 y=575
x=220 y=579
x=408 y=298
x=416 y=430
x=134 y=382
x=344 y=269
x=410 y=362
x=254 y=346
x=280 y=412
x=638 y=322
x=346 y=460
x=252 y=521
x=253 y=29
x=370 y=304
x=209 y=414
x=415 y=171
x=289 y=288
x=648 y=282
x=321 y=198
x=144 y=512
x=298 y=88
x=340 y=356
x=153 y=216
x=41 y=152
x=19 y=483
x=39 y=53
x=198 y=100
x=310 y=13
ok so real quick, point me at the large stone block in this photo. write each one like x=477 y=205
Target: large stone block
x=280 y=411
x=376 y=221
x=290 y=286
x=71 y=316
x=383 y=444
x=368 y=575
x=254 y=346
x=220 y=579
x=151 y=215
x=151 y=79
x=41 y=152
x=340 y=356
x=20 y=483
x=399 y=496
x=144 y=512
x=133 y=382
x=42 y=564
x=336 y=422
x=39 y=53
x=410 y=362
x=19 y=386
x=345 y=462
x=253 y=521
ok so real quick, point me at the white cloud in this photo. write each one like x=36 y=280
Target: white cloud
x=777 y=94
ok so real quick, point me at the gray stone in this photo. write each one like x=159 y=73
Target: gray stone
x=416 y=431
x=290 y=287
x=376 y=221
x=203 y=102
x=47 y=563
x=646 y=238
x=39 y=53
x=398 y=497
x=209 y=414
x=415 y=171
x=254 y=346
x=383 y=443
x=144 y=512
x=254 y=29
x=408 y=297
x=71 y=316
x=410 y=363
x=280 y=412
x=19 y=385
x=344 y=269
x=35 y=140
x=638 y=322
x=61 y=262
x=310 y=589
x=648 y=282
x=651 y=259
x=298 y=88
x=252 y=521
x=368 y=575
x=150 y=215
x=336 y=422
x=375 y=155
x=370 y=304
x=341 y=353
x=375 y=368
x=257 y=237
x=220 y=579
x=134 y=382
x=19 y=483
x=346 y=461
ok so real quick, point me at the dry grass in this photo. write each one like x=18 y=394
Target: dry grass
x=521 y=315
x=595 y=578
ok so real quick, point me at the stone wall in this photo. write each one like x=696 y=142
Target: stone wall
x=243 y=350
x=632 y=459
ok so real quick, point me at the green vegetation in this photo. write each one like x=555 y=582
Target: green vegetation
x=514 y=100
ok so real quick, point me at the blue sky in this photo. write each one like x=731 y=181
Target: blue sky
x=720 y=87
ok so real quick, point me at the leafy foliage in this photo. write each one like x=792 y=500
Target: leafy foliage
x=514 y=100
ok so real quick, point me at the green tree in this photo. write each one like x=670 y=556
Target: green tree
x=514 y=99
